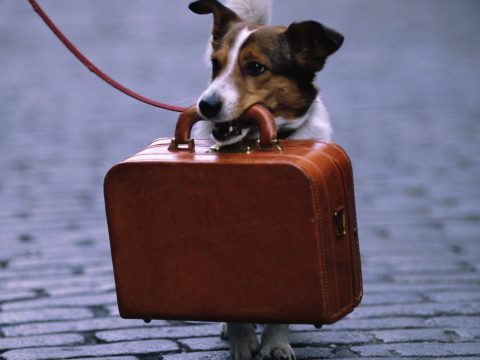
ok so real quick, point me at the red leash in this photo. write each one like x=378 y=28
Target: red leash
x=93 y=68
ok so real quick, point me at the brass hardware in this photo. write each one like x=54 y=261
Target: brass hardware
x=277 y=144
x=233 y=149
x=339 y=219
x=248 y=147
x=188 y=146
x=215 y=148
x=274 y=142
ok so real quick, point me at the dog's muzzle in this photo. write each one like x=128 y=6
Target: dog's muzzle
x=210 y=106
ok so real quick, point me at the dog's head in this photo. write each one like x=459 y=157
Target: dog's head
x=253 y=64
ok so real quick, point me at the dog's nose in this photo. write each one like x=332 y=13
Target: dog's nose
x=210 y=106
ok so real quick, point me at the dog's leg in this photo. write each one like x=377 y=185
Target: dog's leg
x=242 y=340
x=275 y=344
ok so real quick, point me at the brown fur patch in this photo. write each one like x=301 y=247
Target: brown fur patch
x=281 y=88
x=222 y=49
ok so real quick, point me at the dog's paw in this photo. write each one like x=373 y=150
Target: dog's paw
x=278 y=351
x=275 y=344
x=223 y=331
x=244 y=351
x=243 y=341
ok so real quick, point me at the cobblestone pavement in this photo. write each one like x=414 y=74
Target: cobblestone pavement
x=403 y=94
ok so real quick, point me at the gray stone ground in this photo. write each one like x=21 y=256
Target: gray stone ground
x=404 y=97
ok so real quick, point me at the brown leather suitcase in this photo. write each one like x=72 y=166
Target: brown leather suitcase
x=266 y=235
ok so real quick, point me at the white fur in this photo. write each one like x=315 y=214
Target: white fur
x=315 y=124
x=257 y=11
x=224 y=86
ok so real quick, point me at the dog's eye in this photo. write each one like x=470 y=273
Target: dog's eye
x=254 y=68
x=215 y=67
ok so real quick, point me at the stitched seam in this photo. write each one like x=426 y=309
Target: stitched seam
x=326 y=298
x=357 y=245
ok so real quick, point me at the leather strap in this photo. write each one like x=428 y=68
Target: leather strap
x=185 y=122
x=266 y=124
x=84 y=60
x=257 y=114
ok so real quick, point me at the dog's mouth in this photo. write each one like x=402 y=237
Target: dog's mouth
x=230 y=132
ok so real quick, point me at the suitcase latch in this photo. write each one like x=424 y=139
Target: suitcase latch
x=339 y=219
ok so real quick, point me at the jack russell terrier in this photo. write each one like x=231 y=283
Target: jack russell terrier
x=275 y=66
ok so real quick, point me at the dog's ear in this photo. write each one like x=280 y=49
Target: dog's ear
x=311 y=43
x=223 y=17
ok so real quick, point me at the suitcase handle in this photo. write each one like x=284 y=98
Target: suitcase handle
x=256 y=114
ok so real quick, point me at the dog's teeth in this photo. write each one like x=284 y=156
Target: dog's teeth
x=230 y=129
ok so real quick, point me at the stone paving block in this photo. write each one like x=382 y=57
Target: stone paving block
x=16 y=295
x=35 y=274
x=104 y=269
x=311 y=352
x=472 y=334
x=55 y=282
x=419 y=349
x=76 y=326
x=432 y=309
x=43 y=340
x=370 y=324
x=455 y=321
x=126 y=348
x=110 y=358
x=204 y=355
x=426 y=268
x=113 y=310
x=158 y=332
x=46 y=263
x=75 y=301
x=317 y=338
x=458 y=277
x=379 y=299
x=412 y=264
x=205 y=343
x=412 y=335
x=17 y=317
x=458 y=296
x=96 y=288
x=389 y=288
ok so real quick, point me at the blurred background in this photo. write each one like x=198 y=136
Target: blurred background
x=403 y=95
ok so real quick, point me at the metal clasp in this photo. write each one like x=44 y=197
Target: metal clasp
x=339 y=219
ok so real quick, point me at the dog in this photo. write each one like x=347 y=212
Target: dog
x=275 y=66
